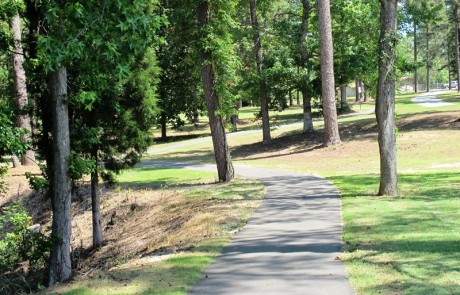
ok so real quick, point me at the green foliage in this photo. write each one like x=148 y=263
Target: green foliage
x=17 y=244
x=217 y=39
x=356 y=33
x=179 y=77
x=107 y=47
x=80 y=166
x=37 y=183
x=10 y=143
x=115 y=29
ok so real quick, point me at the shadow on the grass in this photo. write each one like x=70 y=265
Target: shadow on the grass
x=412 y=239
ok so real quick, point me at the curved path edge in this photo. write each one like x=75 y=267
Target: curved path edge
x=430 y=100
x=290 y=244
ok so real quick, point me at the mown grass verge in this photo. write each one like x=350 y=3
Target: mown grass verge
x=404 y=245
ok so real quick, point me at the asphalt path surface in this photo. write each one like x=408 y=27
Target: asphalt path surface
x=291 y=244
x=430 y=100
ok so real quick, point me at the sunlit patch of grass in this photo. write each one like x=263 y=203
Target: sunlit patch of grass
x=155 y=177
x=409 y=244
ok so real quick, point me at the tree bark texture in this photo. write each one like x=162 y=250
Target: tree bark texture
x=356 y=90
x=415 y=60
x=385 y=104
x=219 y=139
x=60 y=264
x=457 y=44
x=196 y=114
x=266 y=138
x=23 y=119
x=15 y=161
x=96 y=208
x=331 y=129
x=449 y=69
x=307 y=115
x=164 y=134
x=291 y=99
x=428 y=62
x=343 y=97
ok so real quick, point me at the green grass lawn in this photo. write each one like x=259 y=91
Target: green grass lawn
x=404 y=245
x=156 y=177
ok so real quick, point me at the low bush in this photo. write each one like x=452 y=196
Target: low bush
x=20 y=246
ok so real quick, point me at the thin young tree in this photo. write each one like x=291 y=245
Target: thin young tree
x=307 y=116
x=457 y=43
x=221 y=152
x=385 y=104
x=331 y=128
x=266 y=138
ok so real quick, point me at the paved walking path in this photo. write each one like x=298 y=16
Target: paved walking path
x=289 y=245
x=291 y=242
x=430 y=100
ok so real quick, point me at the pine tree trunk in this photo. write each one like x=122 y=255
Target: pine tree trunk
x=23 y=119
x=331 y=129
x=260 y=67
x=15 y=161
x=219 y=139
x=96 y=209
x=415 y=59
x=291 y=99
x=343 y=97
x=357 y=90
x=449 y=69
x=385 y=104
x=457 y=44
x=307 y=115
x=196 y=115
x=60 y=264
x=427 y=59
x=164 y=135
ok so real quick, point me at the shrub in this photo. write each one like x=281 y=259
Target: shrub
x=17 y=244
